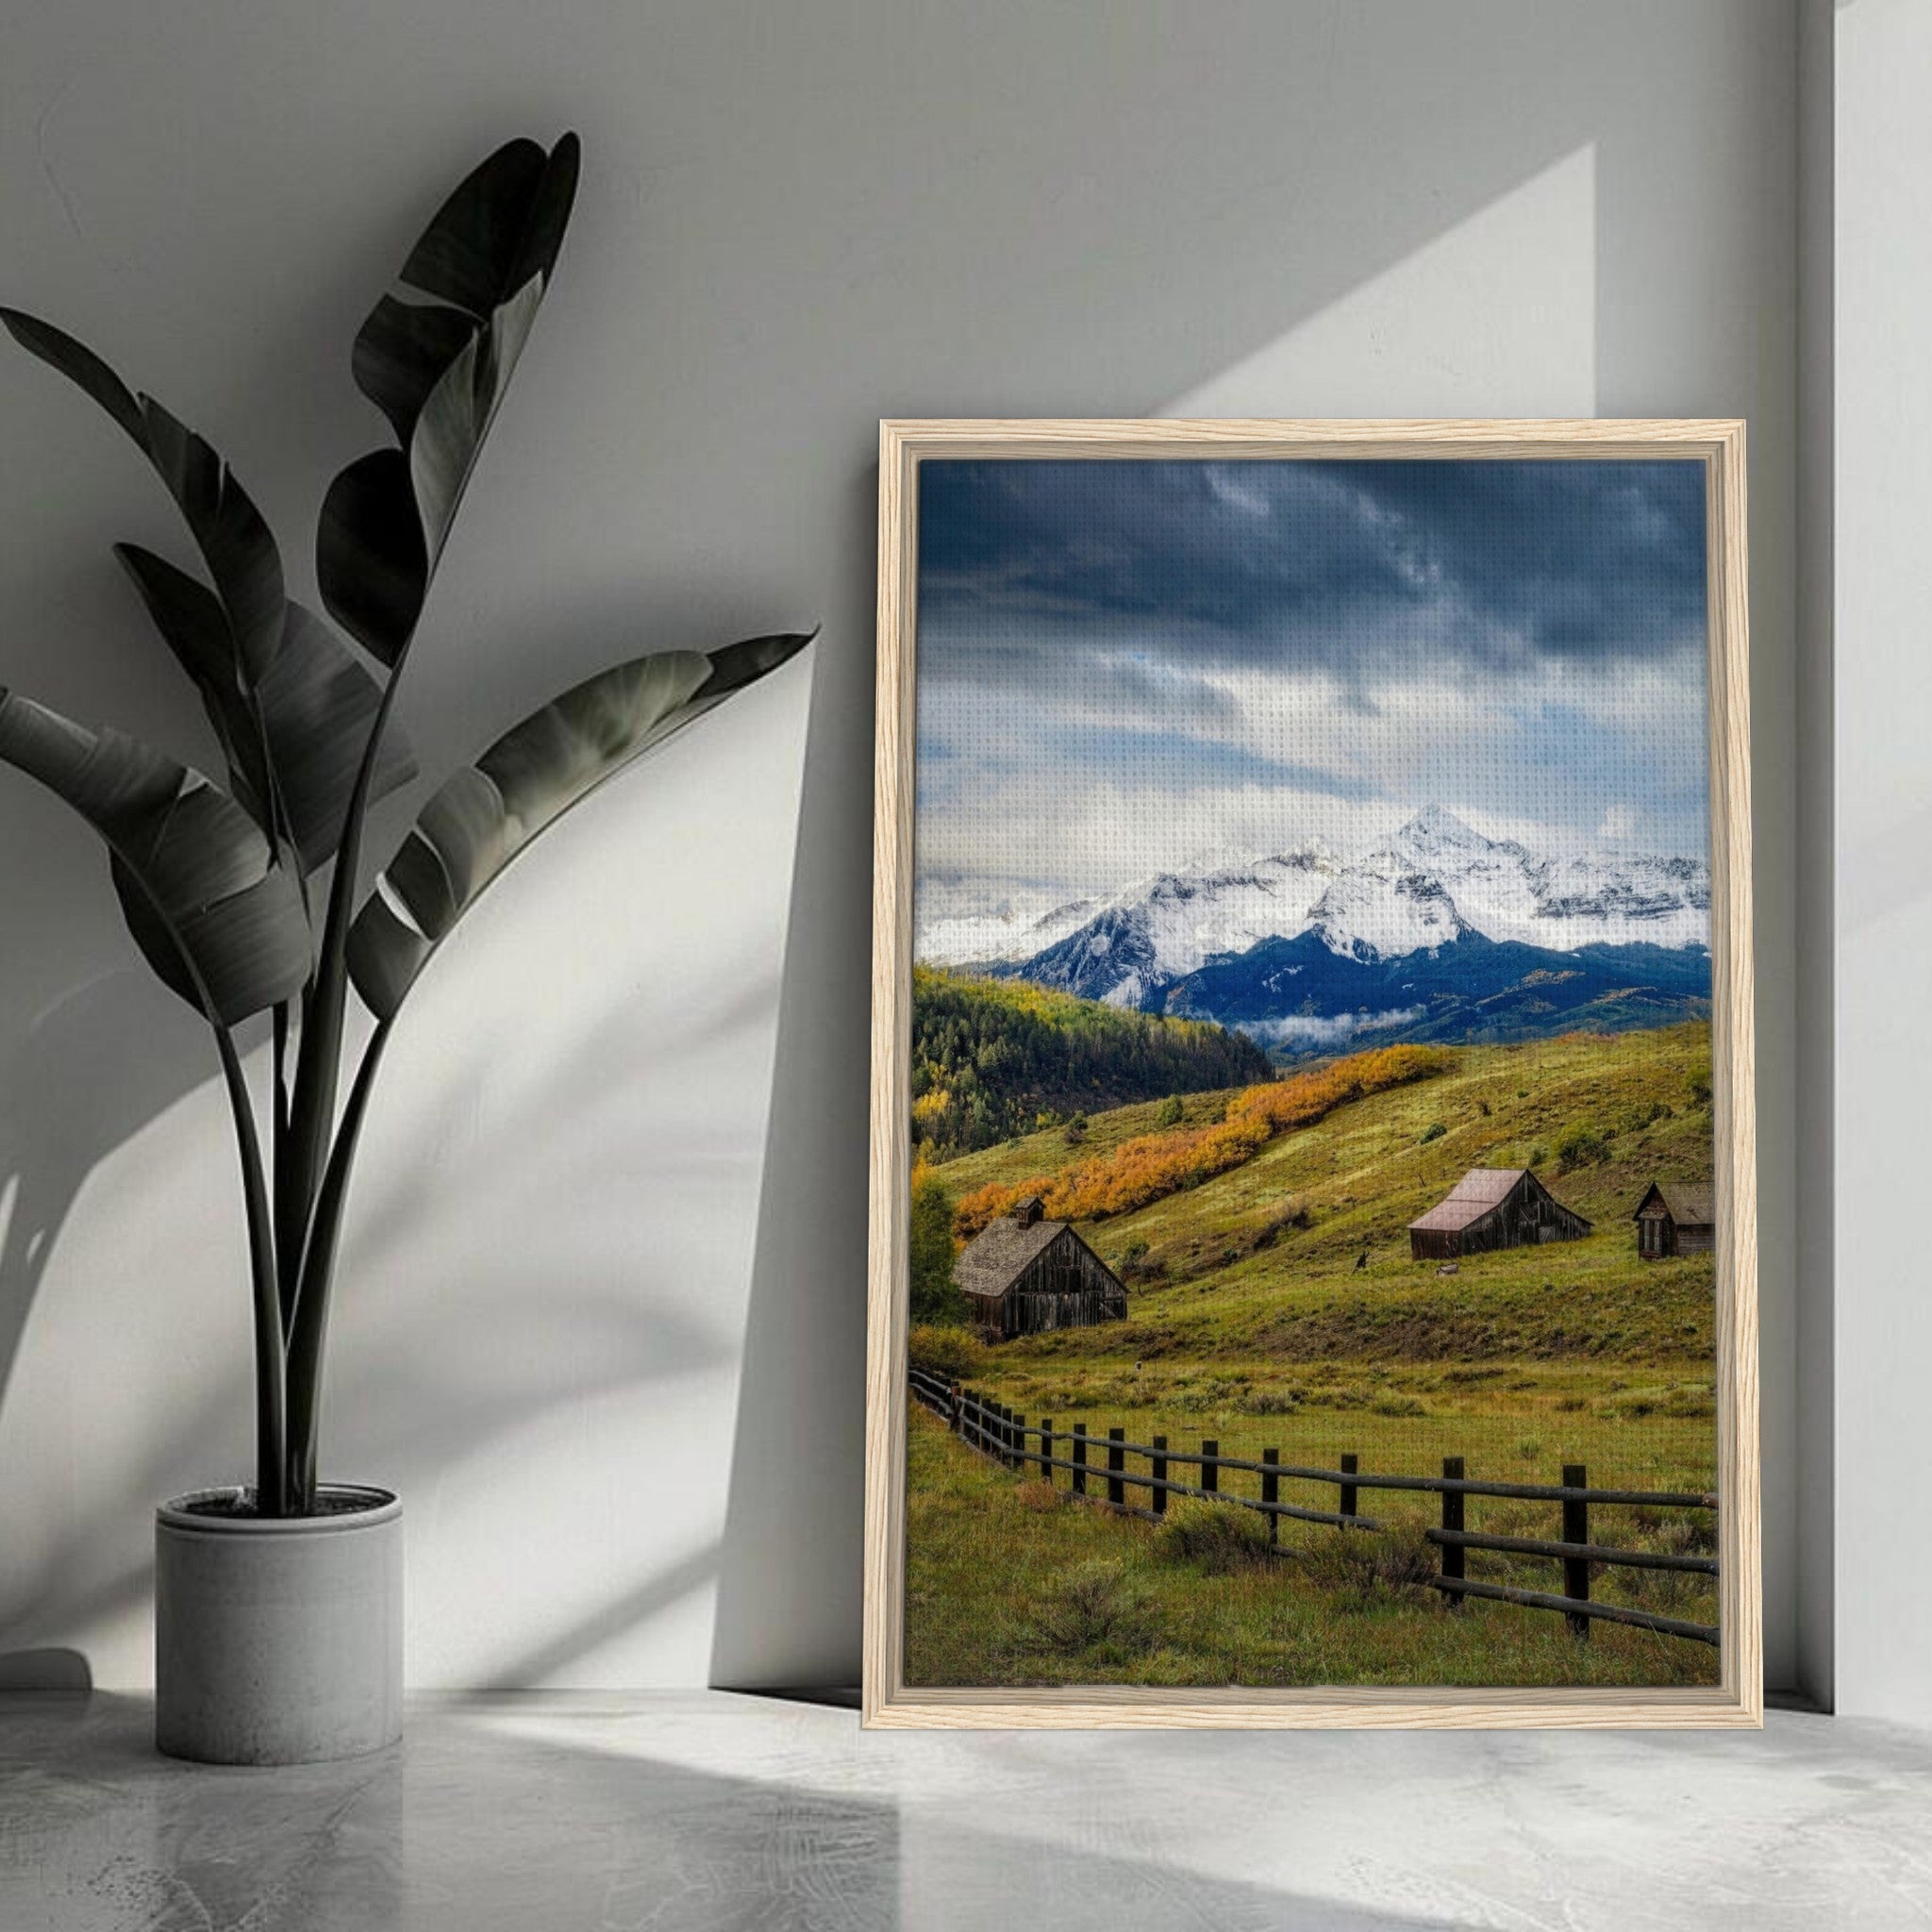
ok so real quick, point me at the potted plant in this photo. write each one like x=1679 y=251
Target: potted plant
x=278 y=1601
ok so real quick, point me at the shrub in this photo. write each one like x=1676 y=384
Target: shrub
x=1095 y=1607
x=1434 y=1131
x=1075 y=1132
x=1398 y=1405
x=957 y=1354
x=1539 y=1155
x=1171 y=1112
x=1580 y=1145
x=1371 y=1567
x=1697 y=1083
x=1271 y=1402
x=1222 y=1538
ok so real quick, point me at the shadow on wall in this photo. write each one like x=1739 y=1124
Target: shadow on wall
x=482 y=1330
x=418 y=1405
x=90 y=1073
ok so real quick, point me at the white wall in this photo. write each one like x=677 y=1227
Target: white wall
x=600 y=1322
x=1883 y=843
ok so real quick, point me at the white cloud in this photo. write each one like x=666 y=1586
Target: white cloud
x=1102 y=764
x=1306 y=1029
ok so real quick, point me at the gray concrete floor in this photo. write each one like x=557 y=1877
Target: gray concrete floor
x=706 y=1811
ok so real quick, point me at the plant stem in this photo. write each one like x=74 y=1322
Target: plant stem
x=309 y=1329
x=318 y=1059
x=288 y=1220
x=271 y=1395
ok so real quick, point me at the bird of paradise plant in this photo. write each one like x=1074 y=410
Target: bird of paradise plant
x=249 y=896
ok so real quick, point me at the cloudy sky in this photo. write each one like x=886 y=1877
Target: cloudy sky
x=1124 y=667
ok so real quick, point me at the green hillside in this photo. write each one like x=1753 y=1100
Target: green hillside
x=1277 y=1306
x=1260 y=1263
x=995 y=1058
x=1248 y=1313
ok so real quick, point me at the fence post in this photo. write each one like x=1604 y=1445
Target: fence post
x=1211 y=1467
x=1576 y=1530
x=957 y=1421
x=1079 y=1458
x=1271 y=1492
x=1158 y=1469
x=1046 y=1448
x=1349 y=1466
x=1453 y=1553
x=1116 y=1461
x=1020 y=1457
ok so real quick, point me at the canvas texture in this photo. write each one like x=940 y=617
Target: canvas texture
x=1313 y=1233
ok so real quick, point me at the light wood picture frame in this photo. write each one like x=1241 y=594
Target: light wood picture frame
x=1732 y=1693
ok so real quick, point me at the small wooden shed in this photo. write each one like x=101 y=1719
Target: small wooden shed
x=1493 y=1208
x=1676 y=1219
x=1024 y=1274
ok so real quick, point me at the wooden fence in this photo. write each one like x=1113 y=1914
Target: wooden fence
x=1097 y=1472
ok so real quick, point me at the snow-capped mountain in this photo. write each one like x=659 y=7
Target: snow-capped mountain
x=955 y=932
x=1432 y=883
x=1153 y=933
x=1437 y=878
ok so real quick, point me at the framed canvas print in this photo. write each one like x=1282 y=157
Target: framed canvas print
x=1312 y=1238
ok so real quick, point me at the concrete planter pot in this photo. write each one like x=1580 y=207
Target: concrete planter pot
x=278 y=1641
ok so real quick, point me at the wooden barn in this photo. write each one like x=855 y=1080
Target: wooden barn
x=1024 y=1274
x=1493 y=1208
x=1672 y=1219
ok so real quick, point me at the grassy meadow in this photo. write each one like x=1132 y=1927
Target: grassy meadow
x=1275 y=1306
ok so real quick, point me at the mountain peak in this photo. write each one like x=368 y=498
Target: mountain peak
x=1436 y=827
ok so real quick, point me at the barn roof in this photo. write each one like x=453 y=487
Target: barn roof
x=1689 y=1207
x=1001 y=1251
x=1469 y=1199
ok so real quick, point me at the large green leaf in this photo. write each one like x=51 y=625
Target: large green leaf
x=490 y=811
x=318 y=704
x=504 y=225
x=438 y=371
x=306 y=721
x=216 y=917
x=234 y=540
x=190 y=618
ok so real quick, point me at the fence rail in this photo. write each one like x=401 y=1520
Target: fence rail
x=1007 y=1437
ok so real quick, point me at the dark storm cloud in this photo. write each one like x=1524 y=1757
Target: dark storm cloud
x=1359 y=568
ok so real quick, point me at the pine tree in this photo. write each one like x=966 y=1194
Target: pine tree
x=934 y=1296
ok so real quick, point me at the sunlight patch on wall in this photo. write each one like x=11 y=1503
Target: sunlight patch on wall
x=1495 y=317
